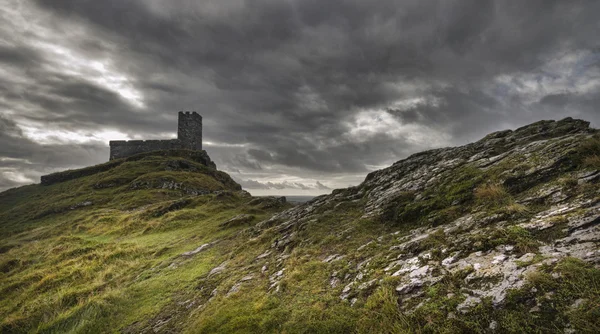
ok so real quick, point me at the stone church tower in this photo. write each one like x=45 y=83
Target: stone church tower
x=189 y=130
x=189 y=137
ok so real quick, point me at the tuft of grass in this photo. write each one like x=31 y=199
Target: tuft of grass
x=568 y=182
x=496 y=199
x=592 y=145
x=492 y=195
x=519 y=237
x=588 y=152
x=381 y=313
x=516 y=209
x=592 y=161
x=434 y=242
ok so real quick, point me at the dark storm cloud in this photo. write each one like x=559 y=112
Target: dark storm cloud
x=24 y=161
x=556 y=100
x=75 y=103
x=18 y=56
x=308 y=88
x=14 y=147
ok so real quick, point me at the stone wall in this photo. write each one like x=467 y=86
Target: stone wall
x=126 y=148
x=189 y=137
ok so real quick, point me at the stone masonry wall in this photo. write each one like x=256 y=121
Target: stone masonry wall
x=189 y=130
x=189 y=137
x=126 y=148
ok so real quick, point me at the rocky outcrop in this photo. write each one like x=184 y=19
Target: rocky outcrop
x=491 y=212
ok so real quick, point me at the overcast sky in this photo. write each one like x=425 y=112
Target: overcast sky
x=298 y=96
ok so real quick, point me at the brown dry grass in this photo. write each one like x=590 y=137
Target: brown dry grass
x=592 y=161
x=491 y=193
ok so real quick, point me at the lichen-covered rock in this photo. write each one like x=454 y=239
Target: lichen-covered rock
x=477 y=219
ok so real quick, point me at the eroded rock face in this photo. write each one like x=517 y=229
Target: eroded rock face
x=491 y=213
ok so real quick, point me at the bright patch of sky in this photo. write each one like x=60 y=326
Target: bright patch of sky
x=16 y=176
x=59 y=56
x=101 y=72
x=369 y=123
x=215 y=144
x=570 y=73
x=61 y=136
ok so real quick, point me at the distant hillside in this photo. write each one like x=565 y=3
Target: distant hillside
x=501 y=235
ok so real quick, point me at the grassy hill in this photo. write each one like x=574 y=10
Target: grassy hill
x=99 y=252
x=501 y=235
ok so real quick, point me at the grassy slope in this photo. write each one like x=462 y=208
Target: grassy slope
x=97 y=267
x=115 y=266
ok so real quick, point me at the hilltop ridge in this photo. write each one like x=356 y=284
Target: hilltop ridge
x=200 y=157
x=500 y=235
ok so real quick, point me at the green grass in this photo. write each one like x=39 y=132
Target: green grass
x=103 y=266
x=99 y=269
x=438 y=205
x=492 y=195
x=523 y=240
x=587 y=154
x=115 y=264
x=575 y=280
x=592 y=161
